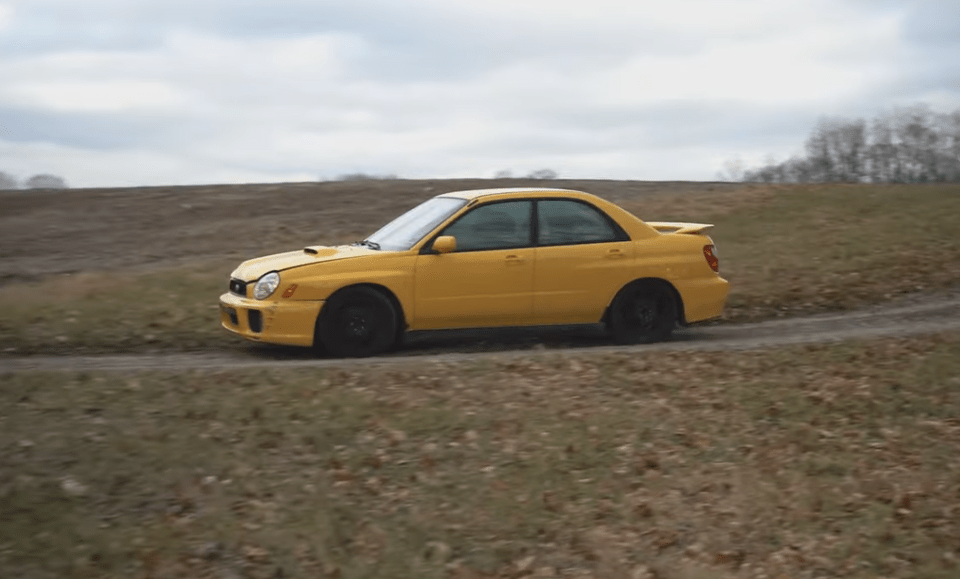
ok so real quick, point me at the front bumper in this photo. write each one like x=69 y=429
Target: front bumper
x=286 y=322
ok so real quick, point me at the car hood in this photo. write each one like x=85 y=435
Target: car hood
x=254 y=268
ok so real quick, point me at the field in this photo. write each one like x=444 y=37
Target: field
x=798 y=462
x=101 y=271
x=835 y=461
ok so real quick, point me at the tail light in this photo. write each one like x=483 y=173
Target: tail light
x=710 y=253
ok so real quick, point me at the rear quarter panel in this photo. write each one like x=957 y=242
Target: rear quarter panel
x=678 y=259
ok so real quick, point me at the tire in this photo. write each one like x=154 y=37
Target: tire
x=642 y=312
x=356 y=323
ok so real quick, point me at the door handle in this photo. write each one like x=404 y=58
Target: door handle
x=616 y=254
x=514 y=259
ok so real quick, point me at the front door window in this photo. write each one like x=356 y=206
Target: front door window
x=493 y=226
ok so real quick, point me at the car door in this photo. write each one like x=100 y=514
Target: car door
x=488 y=279
x=582 y=259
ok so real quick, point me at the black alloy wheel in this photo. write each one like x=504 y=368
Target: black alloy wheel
x=643 y=312
x=357 y=322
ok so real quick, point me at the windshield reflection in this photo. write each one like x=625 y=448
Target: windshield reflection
x=405 y=231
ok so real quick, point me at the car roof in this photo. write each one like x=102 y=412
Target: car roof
x=477 y=193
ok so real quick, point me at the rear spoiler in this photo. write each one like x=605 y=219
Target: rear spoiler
x=677 y=227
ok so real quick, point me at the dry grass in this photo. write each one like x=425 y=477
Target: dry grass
x=787 y=250
x=826 y=248
x=832 y=461
x=112 y=312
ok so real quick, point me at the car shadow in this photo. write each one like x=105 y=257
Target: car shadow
x=502 y=339
x=475 y=340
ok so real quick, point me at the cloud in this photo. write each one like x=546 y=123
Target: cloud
x=220 y=90
x=132 y=167
x=113 y=95
x=97 y=131
x=933 y=22
x=6 y=17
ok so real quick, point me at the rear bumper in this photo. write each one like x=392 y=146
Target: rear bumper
x=703 y=299
x=287 y=322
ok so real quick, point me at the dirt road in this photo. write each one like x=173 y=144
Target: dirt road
x=911 y=316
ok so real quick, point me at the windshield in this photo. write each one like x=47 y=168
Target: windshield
x=405 y=231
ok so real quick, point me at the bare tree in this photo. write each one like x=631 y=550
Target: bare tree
x=45 y=181
x=503 y=174
x=918 y=142
x=850 y=143
x=771 y=172
x=733 y=170
x=7 y=181
x=836 y=150
x=944 y=160
x=818 y=153
x=950 y=126
x=883 y=158
x=543 y=174
x=909 y=145
x=797 y=170
x=366 y=177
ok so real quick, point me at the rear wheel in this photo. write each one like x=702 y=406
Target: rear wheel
x=642 y=312
x=356 y=323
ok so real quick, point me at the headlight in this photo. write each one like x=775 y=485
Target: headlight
x=266 y=285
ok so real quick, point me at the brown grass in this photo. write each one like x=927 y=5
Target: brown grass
x=829 y=248
x=820 y=461
x=135 y=285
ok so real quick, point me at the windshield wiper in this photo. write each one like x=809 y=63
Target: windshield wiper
x=368 y=243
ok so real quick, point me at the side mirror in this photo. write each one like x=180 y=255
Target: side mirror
x=445 y=244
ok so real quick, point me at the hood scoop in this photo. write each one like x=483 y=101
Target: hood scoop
x=319 y=251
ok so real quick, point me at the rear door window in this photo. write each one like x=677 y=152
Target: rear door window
x=566 y=222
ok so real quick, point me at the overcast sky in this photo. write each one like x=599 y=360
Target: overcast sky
x=155 y=92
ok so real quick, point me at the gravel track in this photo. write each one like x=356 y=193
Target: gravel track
x=915 y=315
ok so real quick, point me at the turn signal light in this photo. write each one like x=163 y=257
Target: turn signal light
x=293 y=287
x=710 y=252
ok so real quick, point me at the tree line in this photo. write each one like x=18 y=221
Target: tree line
x=908 y=145
x=42 y=181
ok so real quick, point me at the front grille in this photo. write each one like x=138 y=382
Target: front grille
x=255 y=319
x=238 y=287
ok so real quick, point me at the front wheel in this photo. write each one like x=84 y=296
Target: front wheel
x=356 y=323
x=642 y=313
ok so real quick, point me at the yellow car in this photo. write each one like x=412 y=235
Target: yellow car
x=492 y=257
